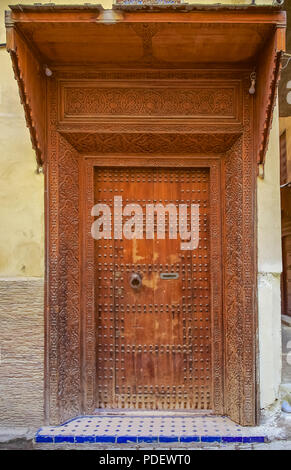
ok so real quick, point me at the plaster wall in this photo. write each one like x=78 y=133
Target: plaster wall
x=269 y=271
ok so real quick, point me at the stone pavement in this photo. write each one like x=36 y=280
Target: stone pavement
x=276 y=426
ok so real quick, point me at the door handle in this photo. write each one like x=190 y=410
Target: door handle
x=135 y=281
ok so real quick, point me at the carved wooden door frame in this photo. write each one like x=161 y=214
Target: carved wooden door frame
x=74 y=146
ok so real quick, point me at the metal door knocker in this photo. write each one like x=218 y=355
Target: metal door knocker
x=135 y=281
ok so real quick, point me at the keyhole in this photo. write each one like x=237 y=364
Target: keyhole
x=135 y=281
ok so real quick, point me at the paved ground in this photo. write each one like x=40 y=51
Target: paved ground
x=20 y=444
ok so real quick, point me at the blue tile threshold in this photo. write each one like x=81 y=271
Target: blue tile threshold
x=129 y=429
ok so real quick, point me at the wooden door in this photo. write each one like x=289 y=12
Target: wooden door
x=286 y=275
x=154 y=342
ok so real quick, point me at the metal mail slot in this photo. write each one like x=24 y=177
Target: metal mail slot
x=169 y=275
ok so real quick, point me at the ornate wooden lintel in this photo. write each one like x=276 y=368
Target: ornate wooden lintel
x=29 y=63
x=149 y=143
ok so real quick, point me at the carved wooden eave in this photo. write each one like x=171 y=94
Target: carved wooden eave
x=64 y=37
x=27 y=72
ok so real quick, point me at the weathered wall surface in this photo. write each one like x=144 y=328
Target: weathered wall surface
x=21 y=190
x=269 y=271
x=21 y=361
x=22 y=258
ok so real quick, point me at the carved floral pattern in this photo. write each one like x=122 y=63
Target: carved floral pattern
x=63 y=380
x=136 y=101
x=69 y=281
x=240 y=276
x=151 y=143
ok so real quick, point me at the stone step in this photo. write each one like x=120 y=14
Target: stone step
x=120 y=429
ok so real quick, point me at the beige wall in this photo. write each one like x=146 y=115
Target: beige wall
x=21 y=190
x=21 y=352
x=269 y=271
x=22 y=259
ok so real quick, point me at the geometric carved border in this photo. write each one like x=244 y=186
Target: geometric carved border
x=240 y=276
x=152 y=143
x=70 y=376
x=91 y=100
x=62 y=300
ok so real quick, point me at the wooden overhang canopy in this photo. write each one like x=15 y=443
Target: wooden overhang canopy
x=44 y=38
